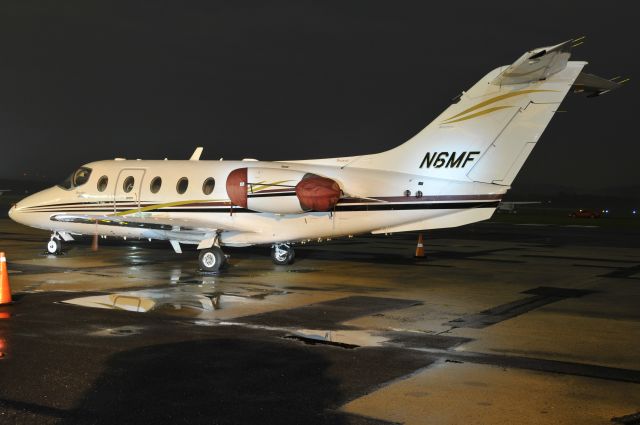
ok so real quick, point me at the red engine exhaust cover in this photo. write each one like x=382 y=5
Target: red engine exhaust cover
x=237 y=187
x=317 y=193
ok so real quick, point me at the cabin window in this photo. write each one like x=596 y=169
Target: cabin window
x=155 y=185
x=77 y=178
x=208 y=186
x=128 y=183
x=419 y=194
x=182 y=185
x=407 y=193
x=102 y=183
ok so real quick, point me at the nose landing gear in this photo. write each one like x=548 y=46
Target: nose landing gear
x=282 y=254
x=54 y=247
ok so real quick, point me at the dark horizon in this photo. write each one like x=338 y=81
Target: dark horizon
x=86 y=81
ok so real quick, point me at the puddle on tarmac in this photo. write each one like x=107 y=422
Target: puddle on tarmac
x=119 y=331
x=170 y=300
x=342 y=338
x=178 y=275
x=313 y=341
x=301 y=270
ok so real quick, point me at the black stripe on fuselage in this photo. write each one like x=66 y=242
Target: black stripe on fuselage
x=339 y=207
x=270 y=195
x=370 y=207
x=127 y=205
x=418 y=206
x=84 y=220
x=93 y=204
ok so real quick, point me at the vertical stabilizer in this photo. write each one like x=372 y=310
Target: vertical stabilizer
x=489 y=133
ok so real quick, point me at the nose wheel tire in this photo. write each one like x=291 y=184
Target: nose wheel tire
x=282 y=254
x=54 y=247
x=211 y=259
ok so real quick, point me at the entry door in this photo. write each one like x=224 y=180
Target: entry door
x=126 y=194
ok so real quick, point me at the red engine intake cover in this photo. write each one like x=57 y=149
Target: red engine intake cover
x=237 y=187
x=318 y=193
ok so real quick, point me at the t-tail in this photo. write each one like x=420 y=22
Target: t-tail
x=489 y=132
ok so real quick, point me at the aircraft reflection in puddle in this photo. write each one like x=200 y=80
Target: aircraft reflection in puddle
x=157 y=299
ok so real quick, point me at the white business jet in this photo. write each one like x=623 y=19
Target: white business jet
x=453 y=172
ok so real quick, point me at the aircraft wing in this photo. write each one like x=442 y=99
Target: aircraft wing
x=178 y=229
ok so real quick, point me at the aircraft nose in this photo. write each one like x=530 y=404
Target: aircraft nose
x=16 y=214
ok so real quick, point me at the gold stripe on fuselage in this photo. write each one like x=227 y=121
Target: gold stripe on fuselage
x=165 y=205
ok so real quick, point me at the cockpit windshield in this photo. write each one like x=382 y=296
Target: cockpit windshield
x=77 y=178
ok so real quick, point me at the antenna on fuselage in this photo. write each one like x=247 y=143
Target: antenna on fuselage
x=195 y=156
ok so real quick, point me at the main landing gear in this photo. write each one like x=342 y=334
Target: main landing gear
x=211 y=259
x=282 y=254
x=54 y=247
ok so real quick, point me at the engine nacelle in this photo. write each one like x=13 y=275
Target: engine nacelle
x=279 y=191
x=317 y=193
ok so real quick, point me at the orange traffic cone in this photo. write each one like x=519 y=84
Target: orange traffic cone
x=5 y=290
x=420 y=247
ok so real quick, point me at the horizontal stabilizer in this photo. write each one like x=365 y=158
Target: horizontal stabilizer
x=593 y=85
x=538 y=64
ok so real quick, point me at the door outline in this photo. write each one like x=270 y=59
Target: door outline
x=138 y=175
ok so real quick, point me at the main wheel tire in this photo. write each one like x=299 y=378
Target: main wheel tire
x=54 y=247
x=283 y=255
x=211 y=259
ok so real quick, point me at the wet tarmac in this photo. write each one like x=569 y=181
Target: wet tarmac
x=500 y=324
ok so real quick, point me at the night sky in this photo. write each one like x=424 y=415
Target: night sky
x=83 y=80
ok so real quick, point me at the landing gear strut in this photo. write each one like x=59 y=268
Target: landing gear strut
x=282 y=254
x=211 y=259
x=54 y=246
